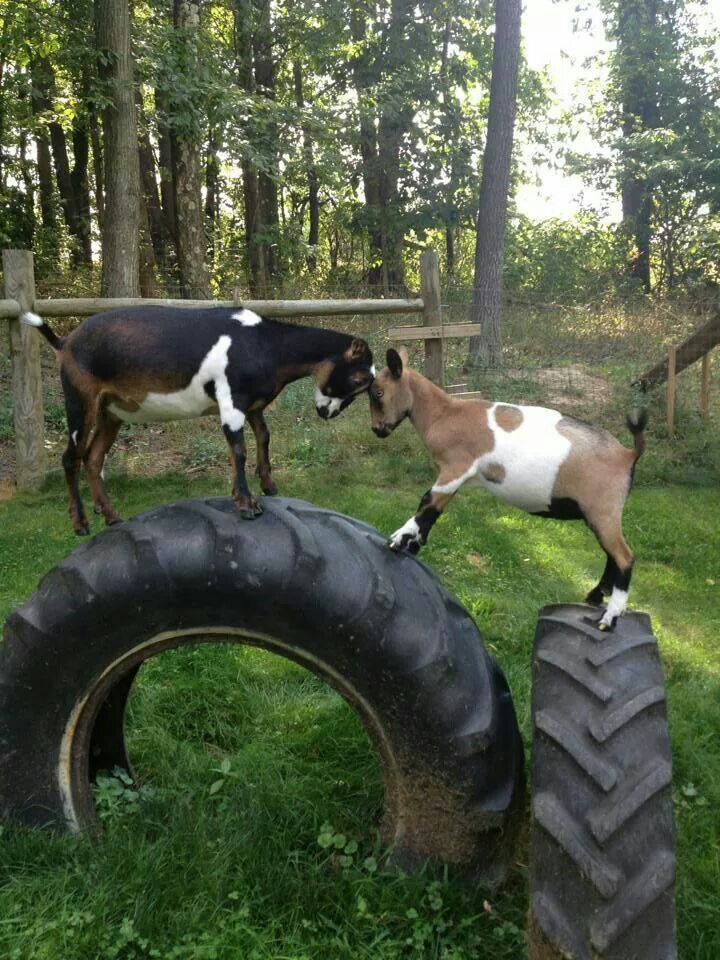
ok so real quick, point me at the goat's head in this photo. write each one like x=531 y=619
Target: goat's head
x=342 y=378
x=390 y=394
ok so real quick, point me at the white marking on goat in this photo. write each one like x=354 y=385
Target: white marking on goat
x=75 y=436
x=31 y=319
x=409 y=529
x=192 y=401
x=247 y=318
x=332 y=404
x=615 y=608
x=373 y=371
x=531 y=456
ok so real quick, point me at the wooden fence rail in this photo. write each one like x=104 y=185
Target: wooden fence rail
x=679 y=357
x=19 y=275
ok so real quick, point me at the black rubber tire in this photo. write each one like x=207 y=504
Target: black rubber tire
x=312 y=585
x=603 y=835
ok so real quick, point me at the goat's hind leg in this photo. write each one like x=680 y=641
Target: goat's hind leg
x=78 y=432
x=104 y=437
x=605 y=584
x=609 y=532
x=71 y=466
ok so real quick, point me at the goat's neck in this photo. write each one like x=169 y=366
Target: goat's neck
x=301 y=349
x=429 y=402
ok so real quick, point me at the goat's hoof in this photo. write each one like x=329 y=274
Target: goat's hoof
x=82 y=531
x=594 y=598
x=113 y=521
x=248 y=508
x=404 y=545
x=270 y=490
x=97 y=510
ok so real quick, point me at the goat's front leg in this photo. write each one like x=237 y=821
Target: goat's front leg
x=413 y=534
x=262 y=444
x=246 y=503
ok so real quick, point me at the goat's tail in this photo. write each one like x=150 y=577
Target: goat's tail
x=636 y=422
x=33 y=320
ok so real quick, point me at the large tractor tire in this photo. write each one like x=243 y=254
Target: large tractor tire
x=603 y=858
x=314 y=586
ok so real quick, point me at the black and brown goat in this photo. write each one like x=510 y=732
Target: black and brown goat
x=162 y=363
x=531 y=457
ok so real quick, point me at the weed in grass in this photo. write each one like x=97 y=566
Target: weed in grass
x=55 y=418
x=204 y=450
x=310 y=449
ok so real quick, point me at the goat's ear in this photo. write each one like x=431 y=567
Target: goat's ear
x=404 y=356
x=357 y=351
x=394 y=362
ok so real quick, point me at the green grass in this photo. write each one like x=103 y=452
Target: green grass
x=253 y=834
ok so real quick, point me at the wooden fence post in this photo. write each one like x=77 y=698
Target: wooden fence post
x=430 y=292
x=26 y=374
x=671 y=385
x=705 y=387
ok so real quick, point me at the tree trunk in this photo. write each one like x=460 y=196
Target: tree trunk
x=310 y=172
x=71 y=184
x=44 y=163
x=121 y=228
x=486 y=350
x=165 y=164
x=255 y=246
x=81 y=190
x=191 y=239
x=267 y=179
x=151 y=197
x=212 y=193
x=636 y=21
x=365 y=74
x=97 y=157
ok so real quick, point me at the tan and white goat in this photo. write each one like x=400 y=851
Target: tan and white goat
x=531 y=457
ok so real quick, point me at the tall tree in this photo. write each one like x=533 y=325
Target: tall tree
x=384 y=66
x=636 y=51
x=486 y=349
x=265 y=86
x=121 y=227
x=255 y=240
x=72 y=182
x=313 y=191
x=186 y=135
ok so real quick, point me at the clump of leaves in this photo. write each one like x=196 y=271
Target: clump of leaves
x=202 y=450
x=310 y=450
x=116 y=794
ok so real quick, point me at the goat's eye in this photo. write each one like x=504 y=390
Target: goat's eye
x=378 y=394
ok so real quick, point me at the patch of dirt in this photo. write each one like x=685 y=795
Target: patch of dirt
x=569 y=387
x=7 y=488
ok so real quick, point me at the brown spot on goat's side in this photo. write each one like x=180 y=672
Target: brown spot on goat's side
x=494 y=472
x=507 y=417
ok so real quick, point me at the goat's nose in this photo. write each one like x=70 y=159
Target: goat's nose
x=380 y=431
